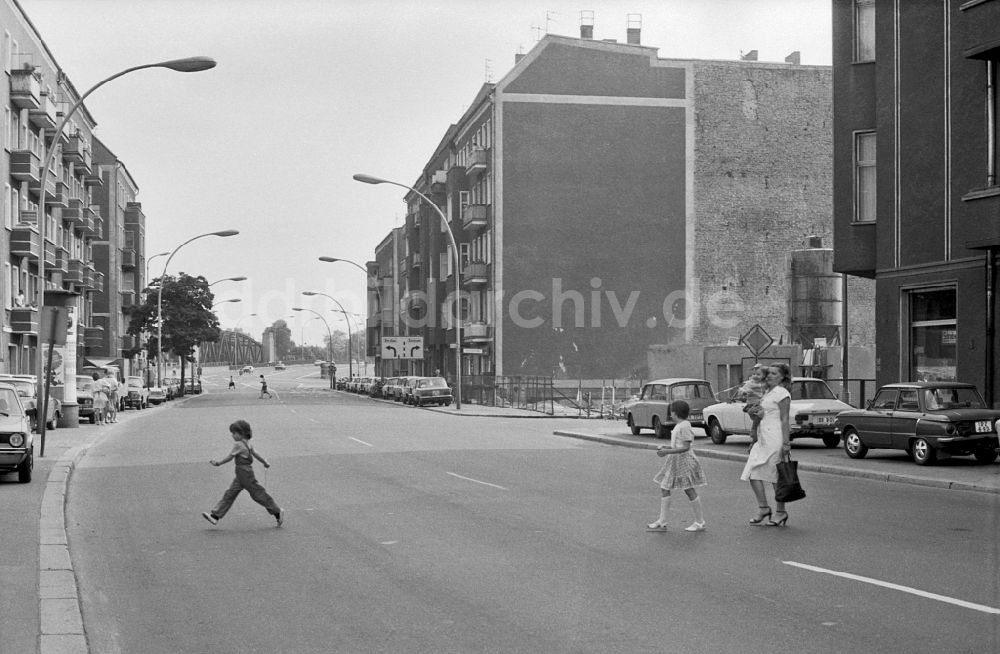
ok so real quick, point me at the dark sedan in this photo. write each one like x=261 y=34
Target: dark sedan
x=929 y=420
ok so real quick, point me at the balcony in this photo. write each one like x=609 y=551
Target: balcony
x=99 y=282
x=128 y=259
x=35 y=187
x=24 y=166
x=475 y=274
x=75 y=273
x=474 y=215
x=128 y=299
x=476 y=332
x=98 y=221
x=29 y=216
x=50 y=254
x=76 y=151
x=93 y=336
x=477 y=162
x=24 y=320
x=93 y=178
x=89 y=277
x=25 y=241
x=25 y=88
x=74 y=212
x=44 y=117
x=61 y=137
x=60 y=196
x=62 y=260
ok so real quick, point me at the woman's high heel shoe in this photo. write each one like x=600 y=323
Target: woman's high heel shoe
x=779 y=523
x=763 y=515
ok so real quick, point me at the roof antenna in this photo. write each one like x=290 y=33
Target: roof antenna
x=489 y=72
x=549 y=18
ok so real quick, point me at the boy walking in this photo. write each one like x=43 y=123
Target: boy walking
x=263 y=389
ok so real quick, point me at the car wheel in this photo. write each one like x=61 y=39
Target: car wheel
x=923 y=453
x=51 y=424
x=631 y=425
x=853 y=445
x=716 y=432
x=831 y=440
x=986 y=455
x=658 y=429
x=418 y=402
x=24 y=470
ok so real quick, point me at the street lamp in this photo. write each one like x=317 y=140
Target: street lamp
x=235 y=299
x=373 y=282
x=350 y=358
x=159 y=296
x=369 y=179
x=150 y=259
x=228 y=279
x=329 y=336
x=186 y=65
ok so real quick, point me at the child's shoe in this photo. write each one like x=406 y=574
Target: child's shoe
x=697 y=526
x=657 y=526
x=211 y=518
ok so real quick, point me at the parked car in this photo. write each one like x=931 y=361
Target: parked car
x=652 y=409
x=814 y=406
x=136 y=394
x=27 y=389
x=377 y=387
x=929 y=420
x=158 y=394
x=431 y=390
x=279 y=365
x=246 y=370
x=389 y=387
x=17 y=444
x=406 y=392
x=85 y=397
x=173 y=387
x=192 y=386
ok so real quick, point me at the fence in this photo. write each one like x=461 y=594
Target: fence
x=859 y=391
x=585 y=398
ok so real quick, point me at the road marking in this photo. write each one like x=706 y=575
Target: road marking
x=476 y=481
x=362 y=442
x=904 y=589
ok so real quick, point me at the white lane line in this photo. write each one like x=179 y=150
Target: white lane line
x=904 y=589
x=476 y=481
x=362 y=442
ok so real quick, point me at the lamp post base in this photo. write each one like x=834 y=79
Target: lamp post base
x=70 y=415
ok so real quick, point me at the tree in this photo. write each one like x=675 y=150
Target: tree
x=188 y=318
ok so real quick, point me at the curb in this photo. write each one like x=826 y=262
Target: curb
x=810 y=467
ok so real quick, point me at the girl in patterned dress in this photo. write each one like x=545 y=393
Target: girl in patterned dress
x=681 y=470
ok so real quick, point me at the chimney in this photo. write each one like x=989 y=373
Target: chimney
x=633 y=28
x=795 y=58
x=750 y=56
x=587 y=24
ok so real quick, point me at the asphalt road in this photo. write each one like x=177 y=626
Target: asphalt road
x=409 y=530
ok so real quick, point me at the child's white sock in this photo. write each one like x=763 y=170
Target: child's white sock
x=699 y=514
x=664 y=509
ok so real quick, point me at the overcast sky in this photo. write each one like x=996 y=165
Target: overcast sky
x=308 y=92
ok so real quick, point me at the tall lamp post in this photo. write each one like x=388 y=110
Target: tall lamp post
x=228 y=279
x=328 y=333
x=369 y=179
x=159 y=297
x=150 y=260
x=350 y=358
x=186 y=65
x=378 y=293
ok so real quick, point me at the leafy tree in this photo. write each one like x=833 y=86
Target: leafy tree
x=188 y=318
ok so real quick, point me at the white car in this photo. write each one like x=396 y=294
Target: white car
x=812 y=413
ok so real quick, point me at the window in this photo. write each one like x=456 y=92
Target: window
x=463 y=250
x=885 y=400
x=992 y=123
x=864 y=30
x=908 y=400
x=933 y=335
x=8 y=213
x=864 y=177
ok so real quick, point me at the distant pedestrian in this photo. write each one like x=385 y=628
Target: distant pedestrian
x=681 y=470
x=100 y=398
x=232 y=384
x=111 y=390
x=244 y=454
x=263 y=389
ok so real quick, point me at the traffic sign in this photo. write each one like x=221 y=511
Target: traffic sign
x=756 y=340
x=402 y=347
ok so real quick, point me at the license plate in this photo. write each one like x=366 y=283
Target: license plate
x=823 y=420
x=695 y=417
x=983 y=427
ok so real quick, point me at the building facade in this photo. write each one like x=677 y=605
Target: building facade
x=604 y=201
x=916 y=196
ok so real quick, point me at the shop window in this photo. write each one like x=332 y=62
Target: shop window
x=933 y=332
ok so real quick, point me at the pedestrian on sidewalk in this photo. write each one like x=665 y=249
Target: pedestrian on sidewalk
x=111 y=389
x=244 y=454
x=682 y=470
x=773 y=443
x=100 y=398
x=263 y=389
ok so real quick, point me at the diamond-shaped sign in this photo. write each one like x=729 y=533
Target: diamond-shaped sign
x=756 y=340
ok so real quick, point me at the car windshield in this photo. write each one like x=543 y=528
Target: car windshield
x=813 y=389
x=942 y=399
x=135 y=382
x=84 y=384
x=8 y=402
x=24 y=388
x=433 y=382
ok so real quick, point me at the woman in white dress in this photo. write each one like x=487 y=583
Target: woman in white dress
x=772 y=443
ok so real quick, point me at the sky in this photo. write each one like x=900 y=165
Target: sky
x=307 y=93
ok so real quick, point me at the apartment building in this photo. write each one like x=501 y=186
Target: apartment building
x=916 y=196
x=605 y=200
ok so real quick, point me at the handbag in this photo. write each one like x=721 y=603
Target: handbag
x=788 y=488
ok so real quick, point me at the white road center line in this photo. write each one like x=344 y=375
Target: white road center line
x=362 y=442
x=904 y=589
x=476 y=481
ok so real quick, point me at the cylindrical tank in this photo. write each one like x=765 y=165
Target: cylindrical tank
x=815 y=297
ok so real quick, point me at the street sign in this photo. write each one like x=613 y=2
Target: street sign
x=756 y=340
x=402 y=347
